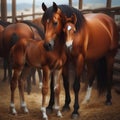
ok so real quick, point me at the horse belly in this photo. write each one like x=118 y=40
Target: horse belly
x=98 y=46
x=35 y=54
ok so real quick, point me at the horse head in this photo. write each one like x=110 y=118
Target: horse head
x=69 y=30
x=52 y=20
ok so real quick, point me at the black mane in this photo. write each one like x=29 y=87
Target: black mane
x=68 y=11
x=4 y=24
x=39 y=29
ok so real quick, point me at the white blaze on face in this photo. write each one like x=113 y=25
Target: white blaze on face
x=69 y=42
x=69 y=27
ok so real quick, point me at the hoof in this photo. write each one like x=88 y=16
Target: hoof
x=49 y=110
x=59 y=114
x=24 y=110
x=108 y=103
x=13 y=111
x=75 y=116
x=65 y=108
x=44 y=118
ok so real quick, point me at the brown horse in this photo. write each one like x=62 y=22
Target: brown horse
x=23 y=30
x=95 y=43
x=27 y=53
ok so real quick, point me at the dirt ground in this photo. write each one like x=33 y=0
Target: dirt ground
x=94 y=110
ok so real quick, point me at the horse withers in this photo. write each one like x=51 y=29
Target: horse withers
x=95 y=43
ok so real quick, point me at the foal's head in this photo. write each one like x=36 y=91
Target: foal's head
x=53 y=23
x=69 y=30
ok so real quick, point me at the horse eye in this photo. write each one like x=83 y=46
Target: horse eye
x=55 y=23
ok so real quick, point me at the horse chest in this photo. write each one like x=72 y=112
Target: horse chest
x=56 y=61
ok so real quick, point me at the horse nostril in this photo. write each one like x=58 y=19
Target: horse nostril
x=49 y=45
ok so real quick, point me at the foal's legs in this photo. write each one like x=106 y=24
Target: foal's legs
x=13 y=85
x=51 y=101
x=46 y=76
x=57 y=78
x=21 y=83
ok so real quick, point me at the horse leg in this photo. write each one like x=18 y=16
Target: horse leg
x=29 y=84
x=90 y=78
x=5 y=66
x=40 y=77
x=21 y=83
x=65 y=76
x=33 y=70
x=9 y=71
x=46 y=76
x=76 y=85
x=51 y=101
x=13 y=85
x=110 y=62
x=57 y=78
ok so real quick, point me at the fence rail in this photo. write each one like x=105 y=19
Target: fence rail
x=110 y=11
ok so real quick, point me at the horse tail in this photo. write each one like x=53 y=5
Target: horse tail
x=13 y=40
x=102 y=75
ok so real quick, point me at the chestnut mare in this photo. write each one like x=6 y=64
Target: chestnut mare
x=27 y=53
x=95 y=43
x=22 y=30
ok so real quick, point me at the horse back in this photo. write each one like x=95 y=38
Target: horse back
x=102 y=34
x=20 y=29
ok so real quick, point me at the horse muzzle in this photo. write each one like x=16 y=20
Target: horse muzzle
x=49 y=45
x=69 y=43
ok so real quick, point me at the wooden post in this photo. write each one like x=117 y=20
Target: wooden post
x=3 y=10
x=80 y=4
x=13 y=10
x=22 y=16
x=108 y=3
x=33 y=10
x=70 y=3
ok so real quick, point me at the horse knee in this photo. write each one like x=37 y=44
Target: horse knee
x=57 y=90
x=13 y=85
x=44 y=90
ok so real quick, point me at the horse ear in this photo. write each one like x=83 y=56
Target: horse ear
x=55 y=7
x=74 y=18
x=44 y=7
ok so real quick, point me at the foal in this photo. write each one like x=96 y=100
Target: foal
x=27 y=53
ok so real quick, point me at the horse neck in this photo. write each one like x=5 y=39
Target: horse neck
x=81 y=40
x=59 y=42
